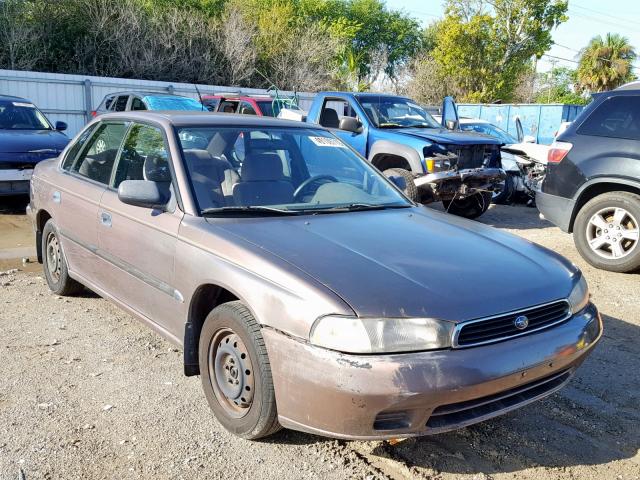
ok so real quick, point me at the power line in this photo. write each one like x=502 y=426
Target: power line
x=614 y=17
x=577 y=62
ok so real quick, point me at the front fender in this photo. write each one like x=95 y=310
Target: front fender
x=410 y=154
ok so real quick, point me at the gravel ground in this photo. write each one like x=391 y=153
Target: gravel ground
x=87 y=392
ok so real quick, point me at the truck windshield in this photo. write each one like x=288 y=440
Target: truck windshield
x=395 y=112
x=268 y=170
x=19 y=115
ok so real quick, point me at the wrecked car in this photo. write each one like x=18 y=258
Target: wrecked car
x=269 y=251
x=399 y=137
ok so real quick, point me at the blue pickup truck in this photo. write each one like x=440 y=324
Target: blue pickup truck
x=438 y=161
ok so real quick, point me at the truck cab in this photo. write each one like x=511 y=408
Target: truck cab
x=438 y=161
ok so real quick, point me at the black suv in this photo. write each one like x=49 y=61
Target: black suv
x=592 y=187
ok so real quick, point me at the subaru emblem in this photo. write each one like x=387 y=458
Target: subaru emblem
x=521 y=322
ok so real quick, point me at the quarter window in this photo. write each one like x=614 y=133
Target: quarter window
x=144 y=156
x=617 y=117
x=96 y=161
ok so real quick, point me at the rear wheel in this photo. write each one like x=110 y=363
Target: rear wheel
x=411 y=190
x=606 y=231
x=236 y=374
x=55 y=264
x=470 y=207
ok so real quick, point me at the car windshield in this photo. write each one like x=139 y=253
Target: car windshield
x=167 y=102
x=396 y=112
x=491 y=130
x=280 y=171
x=21 y=115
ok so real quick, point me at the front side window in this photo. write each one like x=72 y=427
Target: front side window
x=292 y=170
x=144 y=156
x=247 y=109
x=97 y=159
x=228 y=106
x=333 y=110
x=616 y=117
x=211 y=104
x=396 y=112
x=19 y=115
x=73 y=151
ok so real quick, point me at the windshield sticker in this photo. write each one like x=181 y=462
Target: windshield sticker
x=327 y=142
x=22 y=104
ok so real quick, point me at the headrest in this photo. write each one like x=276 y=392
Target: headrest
x=261 y=167
x=156 y=169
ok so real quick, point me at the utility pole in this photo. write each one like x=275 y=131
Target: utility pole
x=553 y=67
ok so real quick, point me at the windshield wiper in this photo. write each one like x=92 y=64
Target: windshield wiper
x=260 y=210
x=354 y=207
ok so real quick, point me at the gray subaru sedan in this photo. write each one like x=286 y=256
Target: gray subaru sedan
x=306 y=290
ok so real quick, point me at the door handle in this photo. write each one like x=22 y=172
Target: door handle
x=55 y=196
x=105 y=219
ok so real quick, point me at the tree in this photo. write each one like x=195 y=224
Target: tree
x=606 y=63
x=485 y=46
x=557 y=86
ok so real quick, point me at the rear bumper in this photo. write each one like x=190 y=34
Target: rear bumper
x=401 y=395
x=14 y=181
x=558 y=210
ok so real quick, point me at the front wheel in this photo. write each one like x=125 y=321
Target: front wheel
x=606 y=231
x=470 y=207
x=411 y=191
x=235 y=372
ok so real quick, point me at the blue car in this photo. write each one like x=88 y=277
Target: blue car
x=26 y=138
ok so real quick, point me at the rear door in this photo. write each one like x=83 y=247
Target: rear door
x=87 y=169
x=139 y=243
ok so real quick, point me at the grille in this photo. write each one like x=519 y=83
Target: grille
x=501 y=327
x=469 y=156
x=464 y=413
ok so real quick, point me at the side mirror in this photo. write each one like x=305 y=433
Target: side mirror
x=61 y=126
x=398 y=181
x=350 y=124
x=529 y=139
x=144 y=193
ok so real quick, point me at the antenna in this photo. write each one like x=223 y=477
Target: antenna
x=199 y=96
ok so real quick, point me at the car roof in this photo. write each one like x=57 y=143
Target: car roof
x=630 y=86
x=11 y=98
x=182 y=118
x=143 y=93
x=257 y=98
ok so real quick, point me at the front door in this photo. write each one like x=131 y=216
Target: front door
x=333 y=110
x=139 y=243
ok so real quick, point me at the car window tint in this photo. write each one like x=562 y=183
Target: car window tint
x=247 y=109
x=96 y=161
x=137 y=104
x=121 y=103
x=617 y=117
x=144 y=156
x=72 y=153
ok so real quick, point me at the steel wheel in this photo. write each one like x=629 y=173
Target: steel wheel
x=612 y=233
x=232 y=371
x=54 y=258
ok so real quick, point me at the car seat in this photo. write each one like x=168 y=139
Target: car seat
x=263 y=181
x=329 y=118
x=213 y=178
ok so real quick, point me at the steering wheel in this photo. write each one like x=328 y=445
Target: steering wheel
x=310 y=181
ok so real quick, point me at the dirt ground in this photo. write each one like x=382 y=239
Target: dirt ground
x=87 y=392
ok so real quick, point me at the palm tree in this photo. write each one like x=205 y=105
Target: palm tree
x=606 y=63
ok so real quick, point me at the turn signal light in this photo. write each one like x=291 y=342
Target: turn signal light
x=431 y=164
x=558 y=151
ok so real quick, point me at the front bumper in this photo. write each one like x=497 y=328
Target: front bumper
x=15 y=181
x=460 y=183
x=558 y=210
x=400 y=395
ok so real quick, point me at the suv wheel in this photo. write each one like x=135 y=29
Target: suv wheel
x=606 y=231
x=235 y=372
x=411 y=191
x=469 y=207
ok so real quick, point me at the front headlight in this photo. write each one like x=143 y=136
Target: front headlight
x=579 y=297
x=380 y=335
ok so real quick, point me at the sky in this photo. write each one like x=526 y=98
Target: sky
x=587 y=18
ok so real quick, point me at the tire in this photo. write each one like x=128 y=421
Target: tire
x=607 y=226
x=469 y=207
x=236 y=374
x=504 y=196
x=55 y=265
x=411 y=191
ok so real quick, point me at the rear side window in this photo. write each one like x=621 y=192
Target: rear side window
x=137 y=104
x=144 y=156
x=97 y=159
x=616 y=117
x=121 y=103
x=72 y=153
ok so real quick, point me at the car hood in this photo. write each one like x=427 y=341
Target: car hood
x=444 y=136
x=23 y=141
x=535 y=151
x=413 y=262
